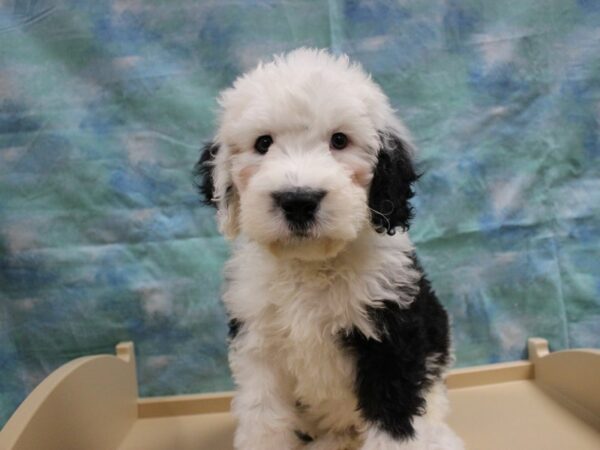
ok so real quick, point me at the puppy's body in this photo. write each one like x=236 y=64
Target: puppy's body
x=302 y=327
x=337 y=341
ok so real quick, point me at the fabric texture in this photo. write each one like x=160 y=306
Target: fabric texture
x=104 y=106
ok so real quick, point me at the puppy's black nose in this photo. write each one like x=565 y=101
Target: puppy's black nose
x=299 y=206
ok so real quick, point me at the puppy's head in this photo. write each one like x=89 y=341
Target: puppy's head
x=307 y=155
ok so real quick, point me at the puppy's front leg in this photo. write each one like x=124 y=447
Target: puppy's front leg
x=262 y=405
x=376 y=439
x=430 y=435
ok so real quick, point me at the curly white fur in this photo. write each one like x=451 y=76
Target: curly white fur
x=293 y=294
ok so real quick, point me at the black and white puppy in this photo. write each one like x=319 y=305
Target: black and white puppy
x=337 y=340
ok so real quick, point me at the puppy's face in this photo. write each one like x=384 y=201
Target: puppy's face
x=294 y=160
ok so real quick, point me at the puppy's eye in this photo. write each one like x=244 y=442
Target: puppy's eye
x=263 y=143
x=339 y=141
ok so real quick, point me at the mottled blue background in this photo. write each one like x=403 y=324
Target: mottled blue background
x=104 y=104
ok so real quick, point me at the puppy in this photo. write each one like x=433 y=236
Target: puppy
x=337 y=340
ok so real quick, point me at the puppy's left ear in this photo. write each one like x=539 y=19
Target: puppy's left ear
x=391 y=187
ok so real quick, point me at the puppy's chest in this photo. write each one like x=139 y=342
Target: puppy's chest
x=303 y=334
x=320 y=368
x=297 y=318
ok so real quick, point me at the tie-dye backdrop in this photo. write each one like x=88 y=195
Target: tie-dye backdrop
x=104 y=105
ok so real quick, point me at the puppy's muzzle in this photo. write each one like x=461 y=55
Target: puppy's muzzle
x=299 y=207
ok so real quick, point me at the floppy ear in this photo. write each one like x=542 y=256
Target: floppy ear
x=391 y=187
x=213 y=181
x=203 y=174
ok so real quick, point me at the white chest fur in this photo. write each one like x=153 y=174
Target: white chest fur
x=304 y=342
x=294 y=313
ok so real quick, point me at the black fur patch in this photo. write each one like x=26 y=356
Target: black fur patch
x=392 y=377
x=234 y=328
x=306 y=438
x=203 y=173
x=391 y=188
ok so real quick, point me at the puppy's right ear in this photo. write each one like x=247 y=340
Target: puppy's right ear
x=213 y=181
x=204 y=173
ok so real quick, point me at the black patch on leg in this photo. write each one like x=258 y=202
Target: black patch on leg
x=392 y=377
x=304 y=437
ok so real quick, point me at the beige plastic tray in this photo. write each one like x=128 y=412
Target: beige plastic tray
x=550 y=402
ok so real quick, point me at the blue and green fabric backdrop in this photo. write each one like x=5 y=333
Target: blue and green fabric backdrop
x=104 y=105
